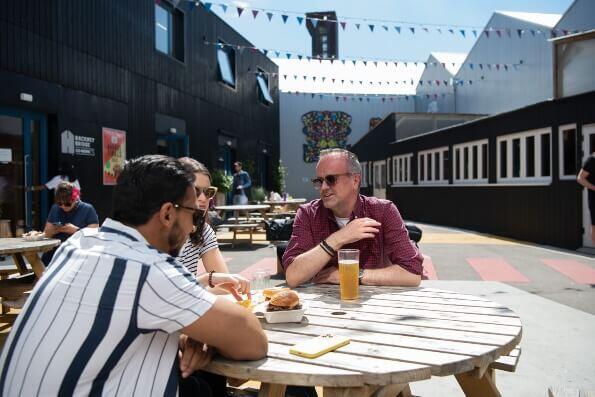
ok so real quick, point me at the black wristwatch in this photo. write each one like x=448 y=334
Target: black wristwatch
x=361 y=276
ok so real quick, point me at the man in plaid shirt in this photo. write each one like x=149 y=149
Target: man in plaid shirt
x=343 y=218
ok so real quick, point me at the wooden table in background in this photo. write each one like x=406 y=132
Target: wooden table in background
x=398 y=336
x=19 y=248
x=246 y=208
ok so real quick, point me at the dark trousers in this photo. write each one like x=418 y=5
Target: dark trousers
x=206 y=384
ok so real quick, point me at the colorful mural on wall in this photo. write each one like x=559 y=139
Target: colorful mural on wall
x=324 y=130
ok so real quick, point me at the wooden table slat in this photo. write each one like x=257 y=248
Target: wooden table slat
x=419 y=313
x=416 y=321
x=440 y=363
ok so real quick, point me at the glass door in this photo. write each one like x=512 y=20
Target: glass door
x=23 y=164
x=588 y=148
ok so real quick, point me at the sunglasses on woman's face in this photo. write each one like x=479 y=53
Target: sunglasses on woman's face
x=330 y=180
x=208 y=191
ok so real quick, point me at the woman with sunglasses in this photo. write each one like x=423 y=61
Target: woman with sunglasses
x=202 y=243
x=67 y=215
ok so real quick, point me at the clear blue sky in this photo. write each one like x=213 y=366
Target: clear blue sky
x=380 y=44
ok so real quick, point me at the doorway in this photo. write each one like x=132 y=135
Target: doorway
x=175 y=146
x=23 y=164
x=588 y=148
x=380 y=179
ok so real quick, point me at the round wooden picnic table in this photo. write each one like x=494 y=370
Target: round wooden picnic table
x=398 y=336
x=19 y=248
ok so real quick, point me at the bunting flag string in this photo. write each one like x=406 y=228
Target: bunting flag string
x=353 y=61
x=367 y=98
x=462 y=31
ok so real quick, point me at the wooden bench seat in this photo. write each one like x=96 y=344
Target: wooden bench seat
x=240 y=227
x=509 y=362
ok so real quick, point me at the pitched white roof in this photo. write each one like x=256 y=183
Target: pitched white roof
x=549 y=20
x=448 y=58
x=381 y=72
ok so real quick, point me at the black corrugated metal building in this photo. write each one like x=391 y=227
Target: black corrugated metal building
x=69 y=69
x=512 y=174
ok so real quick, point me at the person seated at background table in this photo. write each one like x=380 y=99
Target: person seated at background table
x=202 y=243
x=67 y=215
x=343 y=218
x=115 y=309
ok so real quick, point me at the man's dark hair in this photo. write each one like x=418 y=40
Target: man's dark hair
x=145 y=184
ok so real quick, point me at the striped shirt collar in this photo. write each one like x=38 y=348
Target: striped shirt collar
x=113 y=226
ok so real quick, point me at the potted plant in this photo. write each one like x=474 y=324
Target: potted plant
x=258 y=194
x=222 y=182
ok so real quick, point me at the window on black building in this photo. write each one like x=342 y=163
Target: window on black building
x=545 y=154
x=169 y=30
x=264 y=95
x=568 y=153
x=226 y=61
x=530 y=156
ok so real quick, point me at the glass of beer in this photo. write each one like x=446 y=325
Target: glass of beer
x=349 y=273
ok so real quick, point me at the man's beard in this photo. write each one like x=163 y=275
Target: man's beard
x=176 y=240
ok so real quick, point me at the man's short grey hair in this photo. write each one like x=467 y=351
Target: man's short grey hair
x=352 y=160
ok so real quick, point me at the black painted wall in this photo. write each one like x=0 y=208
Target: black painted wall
x=93 y=64
x=549 y=214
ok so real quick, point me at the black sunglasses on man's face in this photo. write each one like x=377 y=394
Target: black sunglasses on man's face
x=198 y=215
x=330 y=180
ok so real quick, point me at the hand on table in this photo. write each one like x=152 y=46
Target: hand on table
x=328 y=275
x=193 y=355
x=69 y=228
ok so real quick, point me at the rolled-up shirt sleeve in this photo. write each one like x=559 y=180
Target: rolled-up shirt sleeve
x=398 y=248
x=301 y=239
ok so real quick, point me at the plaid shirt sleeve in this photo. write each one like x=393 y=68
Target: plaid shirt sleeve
x=398 y=248
x=301 y=240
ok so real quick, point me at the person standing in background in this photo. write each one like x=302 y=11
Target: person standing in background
x=241 y=182
x=586 y=178
x=66 y=173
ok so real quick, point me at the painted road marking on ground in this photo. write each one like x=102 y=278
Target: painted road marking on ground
x=269 y=264
x=496 y=269
x=574 y=270
x=463 y=238
x=429 y=269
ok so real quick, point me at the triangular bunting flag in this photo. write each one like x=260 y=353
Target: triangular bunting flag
x=398 y=29
x=487 y=34
x=284 y=77
x=314 y=78
x=357 y=25
x=265 y=52
x=285 y=17
x=333 y=80
x=300 y=57
x=519 y=32
x=426 y=30
x=254 y=13
x=365 y=63
x=470 y=66
x=375 y=63
x=240 y=11
x=474 y=33
x=224 y=7
x=506 y=67
x=462 y=32
x=354 y=61
x=439 y=30
x=533 y=32
x=269 y=16
x=324 y=78
x=508 y=32
x=207 y=6
x=295 y=76
x=412 y=30
x=385 y=27
x=300 y=20
x=499 y=33
x=278 y=54
x=314 y=22
x=343 y=61
x=343 y=24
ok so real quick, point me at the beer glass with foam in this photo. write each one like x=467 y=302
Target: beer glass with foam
x=349 y=273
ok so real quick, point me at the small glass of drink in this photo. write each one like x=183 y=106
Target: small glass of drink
x=349 y=273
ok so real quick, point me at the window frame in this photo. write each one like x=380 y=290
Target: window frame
x=364 y=179
x=465 y=173
x=427 y=164
x=401 y=168
x=227 y=49
x=561 y=173
x=262 y=98
x=176 y=17
x=538 y=178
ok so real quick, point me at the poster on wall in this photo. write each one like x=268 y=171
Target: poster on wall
x=114 y=154
x=324 y=130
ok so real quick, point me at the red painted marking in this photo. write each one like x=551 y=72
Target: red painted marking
x=268 y=264
x=429 y=269
x=574 y=270
x=496 y=269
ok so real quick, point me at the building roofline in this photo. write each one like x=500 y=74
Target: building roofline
x=566 y=12
x=586 y=35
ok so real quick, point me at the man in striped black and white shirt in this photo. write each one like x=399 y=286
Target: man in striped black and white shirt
x=114 y=309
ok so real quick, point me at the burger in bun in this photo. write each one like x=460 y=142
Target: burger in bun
x=284 y=300
x=269 y=292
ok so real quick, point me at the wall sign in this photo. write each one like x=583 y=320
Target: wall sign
x=78 y=145
x=114 y=154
